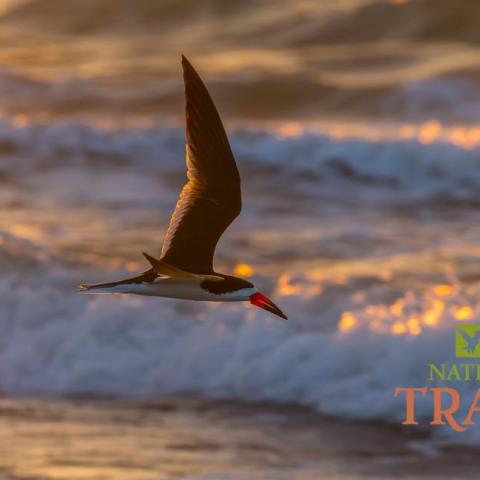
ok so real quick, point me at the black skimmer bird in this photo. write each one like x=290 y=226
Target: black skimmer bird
x=208 y=204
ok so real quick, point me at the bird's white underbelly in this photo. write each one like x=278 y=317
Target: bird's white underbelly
x=188 y=289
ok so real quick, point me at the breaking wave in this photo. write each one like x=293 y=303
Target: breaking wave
x=342 y=356
x=369 y=309
x=427 y=162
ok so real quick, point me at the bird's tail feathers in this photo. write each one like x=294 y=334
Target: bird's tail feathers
x=146 y=277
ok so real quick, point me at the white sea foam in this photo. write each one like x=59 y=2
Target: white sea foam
x=57 y=342
x=403 y=169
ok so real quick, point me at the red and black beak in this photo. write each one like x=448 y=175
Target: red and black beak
x=260 y=300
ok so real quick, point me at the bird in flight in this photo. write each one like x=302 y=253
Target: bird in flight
x=207 y=205
x=472 y=342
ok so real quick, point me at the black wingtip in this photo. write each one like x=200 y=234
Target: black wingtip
x=186 y=63
x=187 y=71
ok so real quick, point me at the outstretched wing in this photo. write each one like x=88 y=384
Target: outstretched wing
x=211 y=199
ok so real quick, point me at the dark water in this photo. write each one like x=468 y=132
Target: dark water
x=194 y=439
x=404 y=61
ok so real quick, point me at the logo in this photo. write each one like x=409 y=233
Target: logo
x=448 y=403
x=467 y=341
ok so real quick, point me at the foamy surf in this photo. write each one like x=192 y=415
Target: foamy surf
x=403 y=162
x=55 y=342
x=371 y=295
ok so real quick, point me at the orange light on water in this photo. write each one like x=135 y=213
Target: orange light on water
x=399 y=328
x=412 y=314
x=285 y=287
x=432 y=315
x=132 y=266
x=243 y=270
x=413 y=326
x=463 y=313
x=397 y=307
x=407 y=315
x=290 y=130
x=288 y=286
x=443 y=290
x=462 y=136
x=29 y=232
x=19 y=120
x=406 y=132
x=347 y=322
x=430 y=132
x=380 y=312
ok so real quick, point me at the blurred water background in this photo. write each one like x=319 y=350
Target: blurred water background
x=355 y=124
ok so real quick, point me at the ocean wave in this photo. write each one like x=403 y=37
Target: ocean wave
x=56 y=342
x=299 y=60
x=431 y=163
x=434 y=20
x=19 y=254
x=345 y=22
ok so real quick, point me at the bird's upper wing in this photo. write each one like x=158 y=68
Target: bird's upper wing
x=211 y=199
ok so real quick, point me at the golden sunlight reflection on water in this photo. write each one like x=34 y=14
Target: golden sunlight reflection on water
x=463 y=136
x=409 y=314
